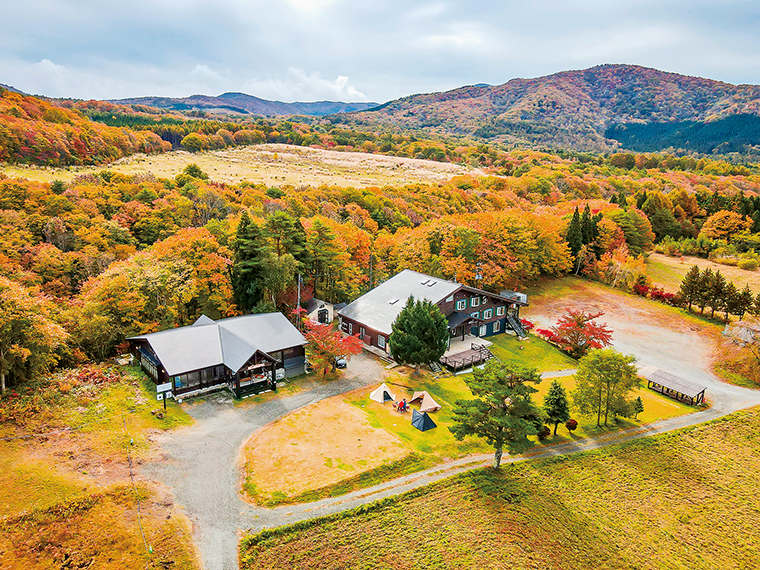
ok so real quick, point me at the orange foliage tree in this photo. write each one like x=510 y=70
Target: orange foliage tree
x=326 y=344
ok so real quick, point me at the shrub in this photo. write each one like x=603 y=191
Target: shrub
x=748 y=264
x=571 y=425
x=544 y=433
x=526 y=324
x=641 y=290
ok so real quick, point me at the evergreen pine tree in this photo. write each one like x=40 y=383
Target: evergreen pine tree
x=588 y=227
x=622 y=199
x=690 y=285
x=717 y=293
x=638 y=407
x=731 y=300
x=325 y=257
x=641 y=197
x=296 y=244
x=249 y=251
x=703 y=290
x=745 y=302
x=575 y=234
x=556 y=406
x=756 y=308
x=420 y=334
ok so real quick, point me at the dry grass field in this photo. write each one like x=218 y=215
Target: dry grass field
x=272 y=164
x=316 y=446
x=668 y=272
x=66 y=499
x=685 y=500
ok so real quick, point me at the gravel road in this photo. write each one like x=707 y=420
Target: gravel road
x=201 y=463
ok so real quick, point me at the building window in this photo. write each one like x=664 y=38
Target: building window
x=362 y=332
x=450 y=298
x=461 y=304
x=487 y=314
x=497 y=326
x=381 y=341
x=350 y=328
x=500 y=311
x=485 y=300
x=483 y=330
x=474 y=301
x=475 y=315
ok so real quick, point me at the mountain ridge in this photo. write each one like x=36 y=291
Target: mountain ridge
x=235 y=102
x=570 y=109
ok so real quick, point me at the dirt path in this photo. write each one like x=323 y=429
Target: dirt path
x=201 y=463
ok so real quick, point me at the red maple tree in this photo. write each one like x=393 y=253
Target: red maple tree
x=326 y=344
x=575 y=333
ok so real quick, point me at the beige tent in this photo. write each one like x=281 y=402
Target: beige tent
x=427 y=404
x=382 y=394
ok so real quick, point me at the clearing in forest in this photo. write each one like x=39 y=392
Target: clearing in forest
x=350 y=441
x=272 y=164
x=668 y=272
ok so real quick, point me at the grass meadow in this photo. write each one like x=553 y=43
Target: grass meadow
x=682 y=500
x=66 y=499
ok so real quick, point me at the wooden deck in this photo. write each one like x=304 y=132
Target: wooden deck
x=473 y=356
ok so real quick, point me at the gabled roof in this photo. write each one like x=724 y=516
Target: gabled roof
x=379 y=307
x=672 y=382
x=231 y=342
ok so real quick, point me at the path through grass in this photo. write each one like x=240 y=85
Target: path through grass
x=681 y=500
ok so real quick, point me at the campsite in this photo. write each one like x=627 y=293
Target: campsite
x=363 y=440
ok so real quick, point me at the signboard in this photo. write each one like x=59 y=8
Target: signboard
x=167 y=387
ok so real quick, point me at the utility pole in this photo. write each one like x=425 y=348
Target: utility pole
x=298 y=303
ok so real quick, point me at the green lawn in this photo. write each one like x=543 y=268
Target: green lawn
x=686 y=500
x=533 y=353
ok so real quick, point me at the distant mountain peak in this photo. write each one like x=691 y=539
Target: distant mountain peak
x=568 y=109
x=242 y=103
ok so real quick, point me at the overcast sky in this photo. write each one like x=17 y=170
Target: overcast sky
x=354 y=50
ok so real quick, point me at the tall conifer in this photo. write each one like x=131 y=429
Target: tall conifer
x=575 y=234
x=249 y=251
x=690 y=285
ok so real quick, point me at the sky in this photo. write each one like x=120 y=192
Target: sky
x=349 y=50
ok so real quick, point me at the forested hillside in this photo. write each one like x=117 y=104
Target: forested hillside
x=35 y=131
x=570 y=109
x=104 y=257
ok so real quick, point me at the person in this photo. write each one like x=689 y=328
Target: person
x=403 y=405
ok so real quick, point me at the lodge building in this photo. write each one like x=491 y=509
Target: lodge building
x=469 y=311
x=247 y=354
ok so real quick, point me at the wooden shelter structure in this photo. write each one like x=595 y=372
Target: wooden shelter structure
x=674 y=386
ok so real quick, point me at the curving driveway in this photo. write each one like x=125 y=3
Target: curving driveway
x=201 y=463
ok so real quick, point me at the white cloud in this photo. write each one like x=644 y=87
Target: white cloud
x=301 y=86
x=311 y=7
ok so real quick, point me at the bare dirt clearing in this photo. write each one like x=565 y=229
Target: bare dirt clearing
x=317 y=446
x=272 y=164
x=657 y=334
